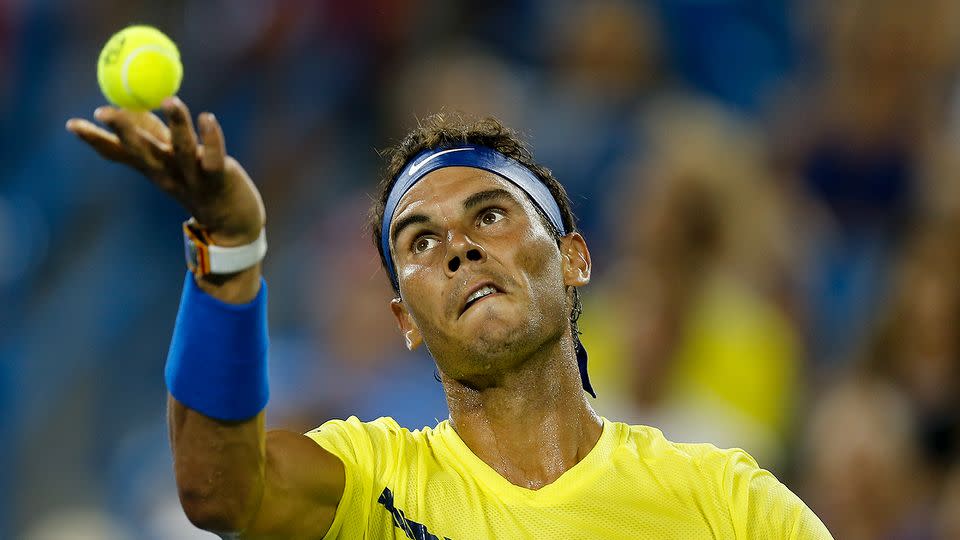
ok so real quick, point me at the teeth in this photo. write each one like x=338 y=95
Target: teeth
x=481 y=293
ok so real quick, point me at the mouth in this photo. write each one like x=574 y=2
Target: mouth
x=479 y=293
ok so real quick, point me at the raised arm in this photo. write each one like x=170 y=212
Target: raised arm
x=233 y=478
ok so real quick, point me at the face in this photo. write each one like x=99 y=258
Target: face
x=482 y=280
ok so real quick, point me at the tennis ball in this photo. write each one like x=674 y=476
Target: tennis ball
x=138 y=68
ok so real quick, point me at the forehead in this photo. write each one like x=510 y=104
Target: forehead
x=451 y=185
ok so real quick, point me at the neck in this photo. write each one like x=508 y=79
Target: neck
x=532 y=424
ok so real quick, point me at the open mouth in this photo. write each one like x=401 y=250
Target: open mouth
x=485 y=291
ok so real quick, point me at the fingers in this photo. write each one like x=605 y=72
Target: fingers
x=119 y=122
x=105 y=143
x=171 y=156
x=214 y=147
x=145 y=151
x=182 y=135
x=152 y=124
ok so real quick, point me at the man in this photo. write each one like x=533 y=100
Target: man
x=481 y=247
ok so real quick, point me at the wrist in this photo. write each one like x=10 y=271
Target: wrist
x=233 y=239
x=236 y=288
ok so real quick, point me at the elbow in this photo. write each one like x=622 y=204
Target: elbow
x=226 y=511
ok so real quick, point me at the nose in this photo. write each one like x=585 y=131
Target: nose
x=461 y=250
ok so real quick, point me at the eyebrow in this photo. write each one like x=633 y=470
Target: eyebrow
x=472 y=201
x=486 y=196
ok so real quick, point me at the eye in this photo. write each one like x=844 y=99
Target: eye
x=424 y=243
x=491 y=216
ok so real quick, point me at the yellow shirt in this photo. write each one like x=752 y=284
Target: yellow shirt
x=633 y=484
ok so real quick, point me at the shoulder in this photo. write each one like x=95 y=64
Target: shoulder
x=353 y=427
x=692 y=474
x=751 y=497
x=700 y=469
x=358 y=441
x=725 y=469
x=651 y=445
x=382 y=431
x=371 y=452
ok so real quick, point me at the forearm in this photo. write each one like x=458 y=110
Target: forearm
x=218 y=448
x=219 y=467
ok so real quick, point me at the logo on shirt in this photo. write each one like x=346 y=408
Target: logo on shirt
x=413 y=530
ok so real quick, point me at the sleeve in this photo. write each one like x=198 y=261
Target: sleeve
x=368 y=451
x=762 y=508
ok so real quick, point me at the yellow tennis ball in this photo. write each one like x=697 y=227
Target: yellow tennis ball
x=138 y=68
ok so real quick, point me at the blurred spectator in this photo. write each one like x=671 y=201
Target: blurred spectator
x=861 y=467
x=917 y=343
x=604 y=62
x=858 y=129
x=948 y=514
x=606 y=52
x=703 y=283
x=457 y=77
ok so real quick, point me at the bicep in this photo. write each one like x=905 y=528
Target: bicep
x=303 y=484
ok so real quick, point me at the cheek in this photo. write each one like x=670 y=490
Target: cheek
x=419 y=290
x=537 y=261
x=542 y=265
x=415 y=275
x=407 y=274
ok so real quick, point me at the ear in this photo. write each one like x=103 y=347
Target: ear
x=576 y=260
x=411 y=334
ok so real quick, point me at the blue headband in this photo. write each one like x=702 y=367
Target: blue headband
x=477 y=157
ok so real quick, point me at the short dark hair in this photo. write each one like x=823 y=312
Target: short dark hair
x=446 y=129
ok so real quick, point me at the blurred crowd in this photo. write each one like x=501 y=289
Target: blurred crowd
x=770 y=189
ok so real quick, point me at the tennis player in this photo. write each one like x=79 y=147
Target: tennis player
x=481 y=246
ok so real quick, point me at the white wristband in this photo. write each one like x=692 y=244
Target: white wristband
x=205 y=258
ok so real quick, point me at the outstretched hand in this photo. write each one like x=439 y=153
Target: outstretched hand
x=199 y=174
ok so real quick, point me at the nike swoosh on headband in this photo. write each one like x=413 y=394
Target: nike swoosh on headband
x=414 y=167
